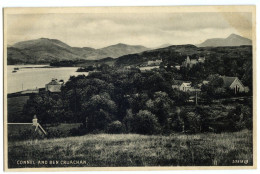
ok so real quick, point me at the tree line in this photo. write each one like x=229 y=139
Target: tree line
x=114 y=101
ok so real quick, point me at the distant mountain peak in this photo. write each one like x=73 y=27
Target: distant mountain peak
x=124 y=45
x=119 y=45
x=233 y=35
x=231 y=40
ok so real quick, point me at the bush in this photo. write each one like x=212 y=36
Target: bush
x=146 y=123
x=81 y=130
x=115 y=127
x=55 y=133
x=240 y=118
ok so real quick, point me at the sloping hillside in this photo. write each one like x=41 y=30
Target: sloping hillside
x=176 y=54
x=122 y=49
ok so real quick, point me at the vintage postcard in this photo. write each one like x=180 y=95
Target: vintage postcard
x=129 y=88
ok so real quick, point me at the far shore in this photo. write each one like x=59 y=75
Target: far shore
x=46 y=66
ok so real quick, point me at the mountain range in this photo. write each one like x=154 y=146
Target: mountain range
x=231 y=40
x=46 y=50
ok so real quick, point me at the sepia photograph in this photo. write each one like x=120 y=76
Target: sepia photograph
x=129 y=88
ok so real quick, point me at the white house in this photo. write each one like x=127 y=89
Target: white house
x=178 y=67
x=54 y=86
x=205 y=82
x=190 y=62
x=154 y=62
x=185 y=86
x=201 y=59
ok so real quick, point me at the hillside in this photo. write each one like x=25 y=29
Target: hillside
x=232 y=40
x=46 y=50
x=120 y=49
x=176 y=54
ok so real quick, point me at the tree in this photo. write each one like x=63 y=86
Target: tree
x=137 y=101
x=214 y=89
x=98 y=112
x=104 y=68
x=146 y=123
x=160 y=106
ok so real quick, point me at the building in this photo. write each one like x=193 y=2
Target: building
x=190 y=62
x=54 y=86
x=154 y=62
x=149 y=68
x=185 y=86
x=234 y=84
x=178 y=67
x=201 y=59
x=205 y=82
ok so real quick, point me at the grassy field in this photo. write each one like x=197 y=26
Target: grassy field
x=15 y=107
x=134 y=150
x=24 y=132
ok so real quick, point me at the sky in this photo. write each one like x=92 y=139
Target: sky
x=147 y=29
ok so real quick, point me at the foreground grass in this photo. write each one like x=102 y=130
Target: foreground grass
x=136 y=150
x=24 y=132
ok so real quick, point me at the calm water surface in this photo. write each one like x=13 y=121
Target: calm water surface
x=36 y=77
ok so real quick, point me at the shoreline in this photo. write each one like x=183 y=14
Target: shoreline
x=47 y=66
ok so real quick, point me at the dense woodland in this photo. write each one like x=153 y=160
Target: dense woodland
x=117 y=101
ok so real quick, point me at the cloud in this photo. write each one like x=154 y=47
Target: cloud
x=148 y=29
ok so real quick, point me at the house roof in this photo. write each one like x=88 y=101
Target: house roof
x=228 y=80
x=54 y=82
x=205 y=82
x=187 y=84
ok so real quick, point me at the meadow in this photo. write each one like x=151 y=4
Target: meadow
x=114 y=150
